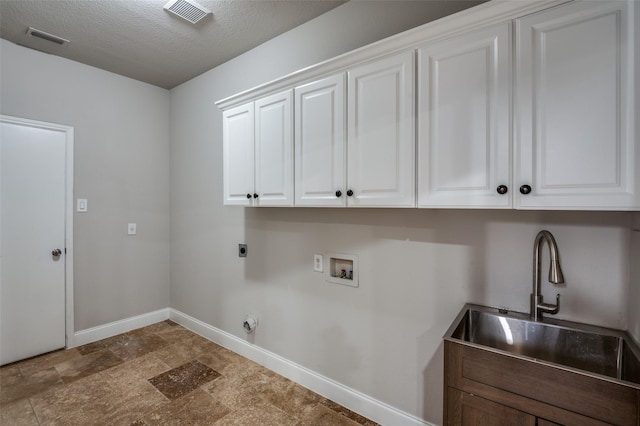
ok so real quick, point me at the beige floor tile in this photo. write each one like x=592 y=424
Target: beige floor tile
x=110 y=382
x=138 y=345
x=159 y=327
x=257 y=413
x=196 y=408
x=194 y=347
x=321 y=415
x=87 y=365
x=83 y=402
x=9 y=370
x=238 y=390
x=18 y=413
x=142 y=368
x=348 y=413
x=175 y=334
x=130 y=401
x=18 y=385
x=292 y=398
x=47 y=360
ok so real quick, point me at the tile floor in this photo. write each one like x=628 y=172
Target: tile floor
x=158 y=375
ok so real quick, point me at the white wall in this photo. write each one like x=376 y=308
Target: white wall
x=121 y=166
x=417 y=267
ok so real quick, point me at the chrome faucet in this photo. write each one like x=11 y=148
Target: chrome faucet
x=555 y=275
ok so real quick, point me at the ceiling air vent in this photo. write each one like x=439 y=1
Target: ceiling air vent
x=46 y=36
x=187 y=9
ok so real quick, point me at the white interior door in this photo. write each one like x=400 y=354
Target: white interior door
x=32 y=226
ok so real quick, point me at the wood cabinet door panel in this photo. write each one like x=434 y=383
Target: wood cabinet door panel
x=470 y=410
x=552 y=393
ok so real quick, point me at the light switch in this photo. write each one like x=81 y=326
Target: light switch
x=318 y=262
x=131 y=229
x=82 y=205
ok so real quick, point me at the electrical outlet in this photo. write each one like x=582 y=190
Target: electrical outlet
x=318 y=262
x=242 y=250
x=132 y=229
x=82 y=206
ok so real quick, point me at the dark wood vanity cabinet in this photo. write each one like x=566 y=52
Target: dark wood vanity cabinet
x=467 y=409
x=487 y=388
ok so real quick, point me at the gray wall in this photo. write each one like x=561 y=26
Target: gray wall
x=121 y=166
x=417 y=267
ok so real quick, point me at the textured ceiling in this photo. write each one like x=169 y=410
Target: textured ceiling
x=138 y=39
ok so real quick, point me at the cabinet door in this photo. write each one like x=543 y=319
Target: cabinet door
x=320 y=150
x=469 y=410
x=237 y=164
x=575 y=108
x=463 y=120
x=274 y=150
x=381 y=136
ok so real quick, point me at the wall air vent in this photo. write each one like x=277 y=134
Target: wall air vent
x=187 y=9
x=46 y=36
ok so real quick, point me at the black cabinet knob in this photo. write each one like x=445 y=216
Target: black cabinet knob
x=248 y=196
x=338 y=193
x=349 y=193
x=255 y=195
x=502 y=189
x=525 y=189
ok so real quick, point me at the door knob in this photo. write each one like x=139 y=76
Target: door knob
x=56 y=252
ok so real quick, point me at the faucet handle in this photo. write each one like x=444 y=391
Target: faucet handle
x=549 y=308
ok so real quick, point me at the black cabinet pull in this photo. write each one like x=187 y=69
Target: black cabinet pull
x=255 y=195
x=338 y=193
x=502 y=189
x=349 y=193
x=248 y=196
x=525 y=189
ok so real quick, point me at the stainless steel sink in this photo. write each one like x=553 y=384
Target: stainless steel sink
x=602 y=351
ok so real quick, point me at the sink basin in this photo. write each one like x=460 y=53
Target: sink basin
x=586 y=348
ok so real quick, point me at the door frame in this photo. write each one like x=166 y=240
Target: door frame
x=68 y=226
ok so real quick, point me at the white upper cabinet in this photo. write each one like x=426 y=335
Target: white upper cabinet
x=274 y=150
x=381 y=136
x=464 y=142
x=320 y=149
x=258 y=152
x=238 y=165
x=517 y=106
x=575 y=108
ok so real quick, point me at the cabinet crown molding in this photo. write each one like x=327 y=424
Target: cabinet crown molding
x=491 y=12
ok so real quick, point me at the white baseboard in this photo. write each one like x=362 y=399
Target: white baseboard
x=358 y=402
x=100 y=332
